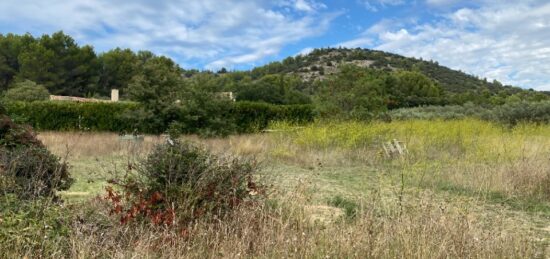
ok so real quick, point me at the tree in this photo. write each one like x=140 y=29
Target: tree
x=117 y=67
x=60 y=65
x=27 y=91
x=158 y=88
x=157 y=83
x=275 y=89
x=76 y=67
x=10 y=48
x=36 y=64
x=354 y=93
x=412 y=88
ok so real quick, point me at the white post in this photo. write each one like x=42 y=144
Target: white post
x=114 y=95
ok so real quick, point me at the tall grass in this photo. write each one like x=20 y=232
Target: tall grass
x=477 y=155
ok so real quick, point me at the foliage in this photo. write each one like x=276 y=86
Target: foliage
x=38 y=225
x=275 y=89
x=440 y=112
x=351 y=209
x=59 y=64
x=205 y=114
x=511 y=113
x=353 y=93
x=65 y=115
x=118 y=67
x=181 y=182
x=411 y=89
x=27 y=91
x=28 y=169
x=253 y=116
x=518 y=112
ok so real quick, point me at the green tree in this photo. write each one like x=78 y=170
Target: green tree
x=412 y=88
x=36 y=63
x=117 y=68
x=158 y=88
x=157 y=83
x=60 y=65
x=10 y=48
x=76 y=67
x=27 y=91
x=275 y=89
x=354 y=93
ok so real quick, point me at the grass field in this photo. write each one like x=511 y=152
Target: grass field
x=466 y=188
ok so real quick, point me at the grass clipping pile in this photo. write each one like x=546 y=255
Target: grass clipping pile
x=27 y=169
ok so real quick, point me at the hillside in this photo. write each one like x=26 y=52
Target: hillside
x=323 y=62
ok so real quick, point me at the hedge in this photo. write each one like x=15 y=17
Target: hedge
x=113 y=117
x=66 y=116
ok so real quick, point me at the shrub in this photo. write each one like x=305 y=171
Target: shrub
x=439 y=112
x=510 y=113
x=350 y=208
x=27 y=168
x=254 y=116
x=36 y=226
x=517 y=112
x=27 y=91
x=179 y=182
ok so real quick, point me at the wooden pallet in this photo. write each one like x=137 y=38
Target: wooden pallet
x=394 y=148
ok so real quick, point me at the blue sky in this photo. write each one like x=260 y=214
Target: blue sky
x=497 y=39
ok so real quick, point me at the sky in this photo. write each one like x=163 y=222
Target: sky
x=494 y=39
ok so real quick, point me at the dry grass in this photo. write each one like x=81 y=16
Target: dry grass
x=84 y=144
x=441 y=209
x=428 y=229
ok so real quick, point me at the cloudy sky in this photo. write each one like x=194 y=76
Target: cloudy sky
x=496 y=39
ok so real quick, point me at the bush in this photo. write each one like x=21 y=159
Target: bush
x=514 y=113
x=439 y=112
x=254 y=116
x=509 y=113
x=36 y=226
x=27 y=91
x=27 y=168
x=179 y=182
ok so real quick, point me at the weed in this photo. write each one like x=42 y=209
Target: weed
x=350 y=207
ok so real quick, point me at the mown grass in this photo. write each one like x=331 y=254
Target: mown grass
x=467 y=188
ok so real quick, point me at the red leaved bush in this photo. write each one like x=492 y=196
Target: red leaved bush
x=146 y=207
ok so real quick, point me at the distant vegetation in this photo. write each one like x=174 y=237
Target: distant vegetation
x=357 y=84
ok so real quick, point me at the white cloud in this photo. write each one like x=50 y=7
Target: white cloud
x=442 y=2
x=504 y=41
x=308 y=6
x=227 y=33
x=375 y=5
x=305 y=51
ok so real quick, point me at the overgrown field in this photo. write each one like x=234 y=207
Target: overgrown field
x=464 y=188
